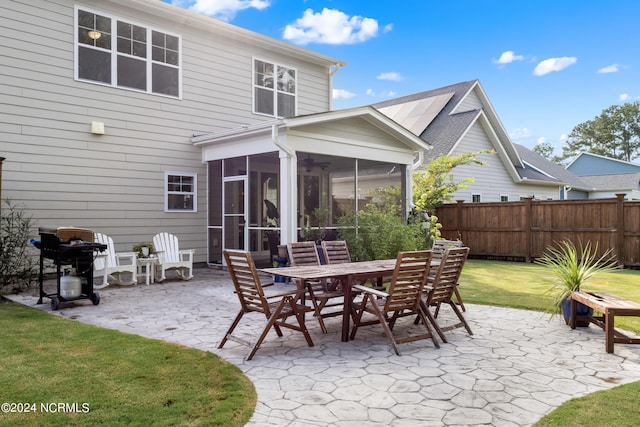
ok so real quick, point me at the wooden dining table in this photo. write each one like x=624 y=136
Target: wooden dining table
x=348 y=273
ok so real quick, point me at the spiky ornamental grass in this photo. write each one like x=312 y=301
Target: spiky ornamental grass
x=571 y=267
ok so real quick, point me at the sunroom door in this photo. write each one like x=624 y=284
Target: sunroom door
x=235 y=211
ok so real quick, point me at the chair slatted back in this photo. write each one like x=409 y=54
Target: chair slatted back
x=336 y=252
x=408 y=281
x=167 y=246
x=303 y=253
x=246 y=281
x=109 y=255
x=440 y=245
x=446 y=276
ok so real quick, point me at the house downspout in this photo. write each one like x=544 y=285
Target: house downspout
x=276 y=140
x=418 y=162
x=332 y=70
x=1 y=160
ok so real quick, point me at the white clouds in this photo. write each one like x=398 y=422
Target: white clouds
x=382 y=94
x=224 y=10
x=520 y=133
x=508 y=57
x=392 y=76
x=541 y=140
x=624 y=97
x=554 y=64
x=342 y=94
x=613 y=68
x=331 y=27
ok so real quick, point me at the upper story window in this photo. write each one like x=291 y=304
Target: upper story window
x=180 y=192
x=123 y=54
x=274 y=89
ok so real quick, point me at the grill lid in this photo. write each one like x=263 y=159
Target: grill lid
x=67 y=234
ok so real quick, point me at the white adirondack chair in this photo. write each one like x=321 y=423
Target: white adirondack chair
x=171 y=257
x=112 y=265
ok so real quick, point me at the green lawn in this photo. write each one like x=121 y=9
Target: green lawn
x=523 y=285
x=113 y=378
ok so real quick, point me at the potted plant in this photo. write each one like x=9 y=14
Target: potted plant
x=570 y=268
x=143 y=249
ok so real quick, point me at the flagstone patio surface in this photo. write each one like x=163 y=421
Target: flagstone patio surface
x=517 y=367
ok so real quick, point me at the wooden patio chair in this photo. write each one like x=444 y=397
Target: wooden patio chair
x=438 y=251
x=441 y=286
x=402 y=299
x=111 y=265
x=171 y=257
x=335 y=251
x=276 y=308
x=305 y=253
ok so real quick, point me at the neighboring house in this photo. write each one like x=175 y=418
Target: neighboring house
x=132 y=117
x=540 y=168
x=607 y=177
x=458 y=119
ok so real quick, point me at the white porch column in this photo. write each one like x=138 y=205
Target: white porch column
x=288 y=189
x=288 y=198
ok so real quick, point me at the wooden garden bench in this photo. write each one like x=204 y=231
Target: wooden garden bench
x=609 y=306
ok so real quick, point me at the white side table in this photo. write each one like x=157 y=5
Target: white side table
x=147 y=267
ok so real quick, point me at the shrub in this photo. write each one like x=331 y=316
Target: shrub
x=18 y=264
x=380 y=234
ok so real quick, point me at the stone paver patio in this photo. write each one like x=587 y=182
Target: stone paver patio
x=517 y=367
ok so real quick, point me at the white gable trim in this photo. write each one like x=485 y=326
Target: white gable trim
x=483 y=121
x=497 y=128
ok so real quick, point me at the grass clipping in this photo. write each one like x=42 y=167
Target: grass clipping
x=105 y=377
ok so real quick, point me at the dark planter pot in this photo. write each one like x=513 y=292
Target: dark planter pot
x=582 y=311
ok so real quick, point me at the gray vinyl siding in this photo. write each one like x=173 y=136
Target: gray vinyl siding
x=114 y=183
x=470 y=102
x=492 y=180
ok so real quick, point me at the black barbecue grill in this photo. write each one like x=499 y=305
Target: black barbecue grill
x=72 y=247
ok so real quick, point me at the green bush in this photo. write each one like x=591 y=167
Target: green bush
x=380 y=234
x=18 y=264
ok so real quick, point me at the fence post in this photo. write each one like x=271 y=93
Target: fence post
x=619 y=245
x=528 y=218
x=459 y=218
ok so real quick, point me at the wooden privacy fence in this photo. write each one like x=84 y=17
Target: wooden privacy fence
x=523 y=230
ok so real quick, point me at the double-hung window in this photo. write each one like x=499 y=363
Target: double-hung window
x=180 y=192
x=119 y=53
x=274 y=89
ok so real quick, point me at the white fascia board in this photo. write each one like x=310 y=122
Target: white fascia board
x=507 y=160
x=494 y=119
x=229 y=149
x=235 y=134
x=530 y=166
x=321 y=144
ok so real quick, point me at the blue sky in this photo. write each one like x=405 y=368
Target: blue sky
x=546 y=65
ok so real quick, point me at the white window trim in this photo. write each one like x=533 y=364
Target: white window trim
x=275 y=91
x=504 y=195
x=476 y=194
x=114 y=53
x=167 y=192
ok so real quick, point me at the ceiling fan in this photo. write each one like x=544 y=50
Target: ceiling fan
x=308 y=163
